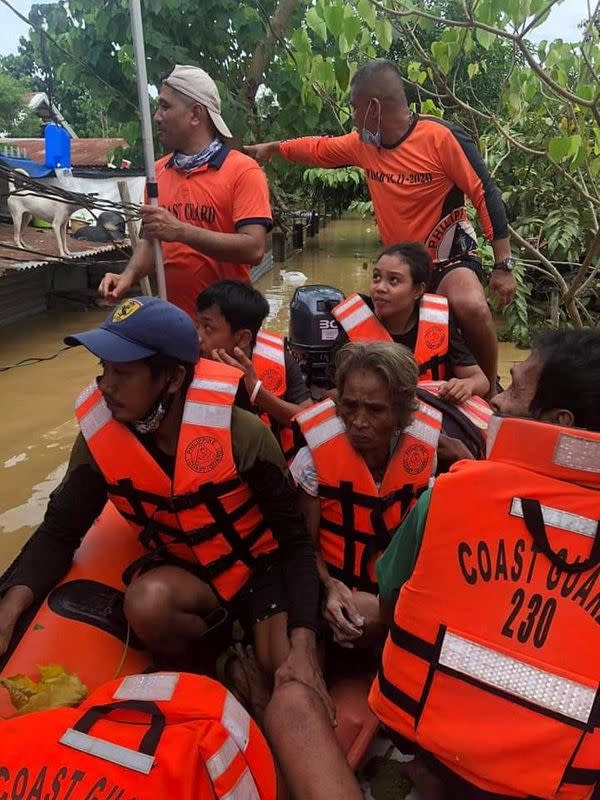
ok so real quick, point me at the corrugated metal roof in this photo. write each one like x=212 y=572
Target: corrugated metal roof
x=42 y=241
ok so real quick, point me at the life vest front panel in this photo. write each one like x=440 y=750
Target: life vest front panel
x=492 y=661
x=433 y=338
x=268 y=359
x=206 y=515
x=197 y=741
x=357 y=517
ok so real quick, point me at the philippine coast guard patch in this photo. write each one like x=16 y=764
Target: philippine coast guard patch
x=125 y=310
x=203 y=454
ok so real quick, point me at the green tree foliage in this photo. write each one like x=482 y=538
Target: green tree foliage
x=15 y=117
x=535 y=111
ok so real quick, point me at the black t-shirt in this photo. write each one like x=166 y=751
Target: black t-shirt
x=296 y=391
x=459 y=354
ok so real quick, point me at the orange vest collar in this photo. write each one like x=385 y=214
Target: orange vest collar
x=568 y=454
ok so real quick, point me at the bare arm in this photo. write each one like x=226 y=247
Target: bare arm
x=277 y=408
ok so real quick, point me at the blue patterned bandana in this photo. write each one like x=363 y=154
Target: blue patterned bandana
x=188 y=163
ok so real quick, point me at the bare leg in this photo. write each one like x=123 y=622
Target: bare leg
x=271 y=642
x=165 y=608
x=468 y=304
x=303 y=740
x=250 y=684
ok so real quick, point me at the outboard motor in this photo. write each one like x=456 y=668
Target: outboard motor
x=315 y=334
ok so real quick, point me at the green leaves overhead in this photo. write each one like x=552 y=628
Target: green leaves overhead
x=316 y=23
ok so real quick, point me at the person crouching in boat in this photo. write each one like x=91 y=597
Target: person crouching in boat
x=204 y=485
x=367 y=460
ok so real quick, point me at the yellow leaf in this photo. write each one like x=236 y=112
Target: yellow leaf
x=56 y=688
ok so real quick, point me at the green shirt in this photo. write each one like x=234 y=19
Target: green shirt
x=396 y=564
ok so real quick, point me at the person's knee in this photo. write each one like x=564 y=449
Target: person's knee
x=472 y=310
x=147 y=604
x=290 y=704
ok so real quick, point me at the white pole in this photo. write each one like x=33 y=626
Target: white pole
x=137 y=32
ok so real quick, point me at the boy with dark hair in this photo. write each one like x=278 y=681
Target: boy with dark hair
x=230 y=315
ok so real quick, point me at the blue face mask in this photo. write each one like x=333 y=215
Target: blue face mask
x=367 y=136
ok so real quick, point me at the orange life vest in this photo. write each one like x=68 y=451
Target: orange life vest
x=268 y=358
x=492 y=660
x=206 y=514
x=433 y=337
x=150 y=737
x=358 y=518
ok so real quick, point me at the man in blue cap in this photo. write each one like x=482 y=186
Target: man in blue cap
x=161 y=438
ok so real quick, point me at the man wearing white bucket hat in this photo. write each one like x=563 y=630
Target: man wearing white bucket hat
x=214 y=210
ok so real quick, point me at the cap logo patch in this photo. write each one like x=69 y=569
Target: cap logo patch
x=125 y=310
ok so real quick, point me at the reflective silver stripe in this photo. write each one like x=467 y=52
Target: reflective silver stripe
x=577 y=452
x=426 y=433
x=154 y=686
x=95 y=419
x=544 y=689
x=107 y=751
x=436 y=299
x=207 y=415
x=86 y=394
x=314 y=411
x=222 y=759
x=271 y=353
x=347 y=304
x=237 y=721
x=323 y=432
x=214 y=386
x=245 y=788
x=356 y=317
x=494 y=426
x=433 y=315
x=558 y=518
x=269 y=337
x=430 y=412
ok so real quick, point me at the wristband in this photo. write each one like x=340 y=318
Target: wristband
x=255 y=391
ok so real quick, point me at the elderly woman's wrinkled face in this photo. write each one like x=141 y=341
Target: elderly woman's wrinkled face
x=366 y=409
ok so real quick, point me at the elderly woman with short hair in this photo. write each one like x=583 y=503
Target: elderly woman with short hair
x=368 y=457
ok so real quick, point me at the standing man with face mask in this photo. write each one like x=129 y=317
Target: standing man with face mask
x=419 y=170
x=214 y=211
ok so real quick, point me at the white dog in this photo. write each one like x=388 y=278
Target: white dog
x=24 y=203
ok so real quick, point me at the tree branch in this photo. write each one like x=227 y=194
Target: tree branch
x=473 y=23
x=579 y=280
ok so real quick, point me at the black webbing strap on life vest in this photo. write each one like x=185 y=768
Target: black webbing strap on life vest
x=435 y=364
x=374 y=542
x=157 y=535
x=151 y=738
x=534 y=520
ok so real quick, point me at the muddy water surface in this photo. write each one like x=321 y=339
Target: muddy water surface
x=36 y=402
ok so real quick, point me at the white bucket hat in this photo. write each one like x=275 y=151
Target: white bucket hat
x=196 y=83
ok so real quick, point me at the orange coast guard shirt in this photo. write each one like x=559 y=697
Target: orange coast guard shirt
x=223 y=195
x=418 y=185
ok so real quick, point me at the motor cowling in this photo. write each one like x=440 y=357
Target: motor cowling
x=314 y=334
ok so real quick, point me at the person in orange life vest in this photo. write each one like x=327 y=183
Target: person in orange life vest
x=230 y=316
x=487 y=580
x=419 y=169
x=204 y=485
x=398 y=300
x=399 y=304
x=161 y=736
x=214 y=210
x=360 y=474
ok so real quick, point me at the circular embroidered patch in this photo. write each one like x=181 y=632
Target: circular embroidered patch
x=415 y=459
x=203 y=454
x=271 y=379
x=435 y=338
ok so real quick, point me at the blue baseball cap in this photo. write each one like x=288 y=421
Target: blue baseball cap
x=141 y=327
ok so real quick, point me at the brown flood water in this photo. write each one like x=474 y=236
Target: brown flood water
x=36 y=402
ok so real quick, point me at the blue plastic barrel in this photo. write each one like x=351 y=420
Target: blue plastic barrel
x=58 y=146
